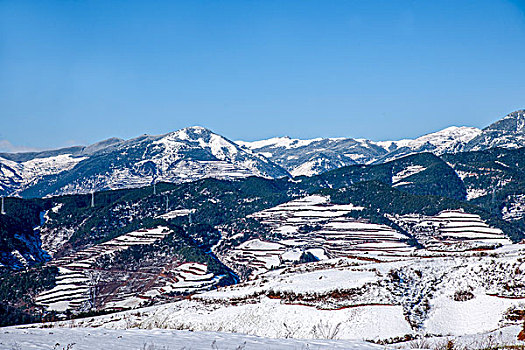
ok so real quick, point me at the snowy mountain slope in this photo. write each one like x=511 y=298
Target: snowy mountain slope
x=314 y=156
x=449 y=140
x=508 y=132
x=16 y=176
x=196 y=152
x=19 y=171
x=310 y=157
x=184 y=155
x=494 y=179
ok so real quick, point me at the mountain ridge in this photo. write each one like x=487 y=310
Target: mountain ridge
x=196 y=152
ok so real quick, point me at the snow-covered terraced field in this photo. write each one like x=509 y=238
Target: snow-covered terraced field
x=70 y=292
x=79 y=279
x=346 y=298
x=85 y=257
x=452 y=230
x=313 y=225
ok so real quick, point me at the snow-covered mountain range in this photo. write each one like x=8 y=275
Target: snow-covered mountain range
x=314 y=156
x=310 y=157
x=184 y=155
x=196 y=152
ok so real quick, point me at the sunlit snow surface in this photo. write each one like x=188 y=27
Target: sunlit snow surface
x=135 y=339
x=314 y=156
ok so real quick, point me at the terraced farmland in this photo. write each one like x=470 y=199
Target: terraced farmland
x=81 y=285
x=313 y=225
x=452 y=230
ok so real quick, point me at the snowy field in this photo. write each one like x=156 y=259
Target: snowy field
x=136 y=339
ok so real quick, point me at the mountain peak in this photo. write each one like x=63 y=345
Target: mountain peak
x=519 y=114
x=101 y=145
x=508 y=132
x=512 y=123
x=190 y=133
x=197 y=129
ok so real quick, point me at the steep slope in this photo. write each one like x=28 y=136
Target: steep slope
x=494 y=179
x=20 y=243
x=508 y=132
x=421 y=174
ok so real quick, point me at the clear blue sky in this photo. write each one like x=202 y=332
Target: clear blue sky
x=80 y=71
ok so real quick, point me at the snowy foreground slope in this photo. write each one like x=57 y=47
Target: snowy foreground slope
x=131 y=339
x=453 y=295
x=97 y=339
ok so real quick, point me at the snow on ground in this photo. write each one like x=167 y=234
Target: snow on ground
x=267 y=318
x=514 y=208
x=29 y=172
x=312 y=282
x=175 y=213
x=480 y=314
x=445 y=140
x=349 y=298
x=138 y=339
x=278 y=142
x=313 y=224
x=452 y=230
x=473 y=193
x=505 y=336
x=408 y=171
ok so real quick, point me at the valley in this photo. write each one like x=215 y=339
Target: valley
x=188 y=231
